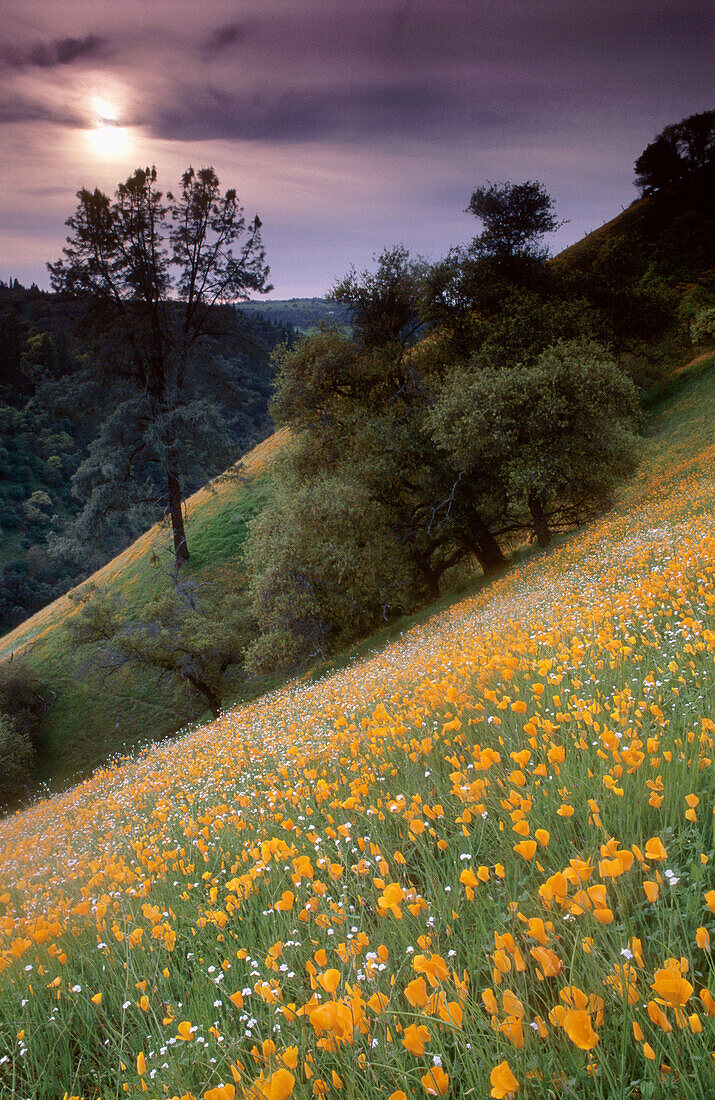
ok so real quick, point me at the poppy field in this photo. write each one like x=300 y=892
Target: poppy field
x=476 y=863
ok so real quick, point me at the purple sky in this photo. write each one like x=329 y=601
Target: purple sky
x=347 y=125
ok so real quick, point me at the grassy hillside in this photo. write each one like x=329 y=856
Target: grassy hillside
x=90 y=720
x=476 y=862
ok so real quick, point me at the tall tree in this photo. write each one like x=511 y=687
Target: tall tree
x=158 y=268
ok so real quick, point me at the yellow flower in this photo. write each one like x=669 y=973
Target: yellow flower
x=526 y=849
x=504 y=1083
x=577 y=1025
x=416 y=1036
x=671 y=985
x=435 y=1082
x=416 y=993
x=654 y=849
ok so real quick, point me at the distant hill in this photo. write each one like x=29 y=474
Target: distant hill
x=90 y=720
x=298 y=313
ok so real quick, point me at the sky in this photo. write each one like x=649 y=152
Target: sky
x=349 y=126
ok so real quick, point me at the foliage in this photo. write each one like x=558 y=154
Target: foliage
x=158 y=269
x=324 y=570
x=702 y=326
x=21 y=705
x=383 y=306
x=446 y=443
x=559 y=435
x=21 y=696
x=515 y=217
x=16 y=758
x=56 y=428
x=185 y=634
x=683 y=153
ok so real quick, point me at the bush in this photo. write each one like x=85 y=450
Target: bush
x=16 y=757
x=325 y=570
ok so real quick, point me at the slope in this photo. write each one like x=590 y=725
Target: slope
x=88 y=721
x=479 y=859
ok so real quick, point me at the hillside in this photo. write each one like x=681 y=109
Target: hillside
x=479 y=858
x=53 y=411
x=91 y=718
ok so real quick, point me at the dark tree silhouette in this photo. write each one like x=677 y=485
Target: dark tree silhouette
x=158 y=268
x=681 y=153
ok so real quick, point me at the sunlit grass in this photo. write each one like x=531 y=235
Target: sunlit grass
x=478 y=862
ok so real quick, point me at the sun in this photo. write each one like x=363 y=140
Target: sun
x=108 y=137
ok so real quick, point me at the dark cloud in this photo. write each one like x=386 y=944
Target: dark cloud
x=60 y=51
x=223 y=37
x=19 y=108
x=307 y=114
x=349 y=124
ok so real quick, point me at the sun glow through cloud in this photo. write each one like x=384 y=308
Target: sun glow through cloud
x=109 y=139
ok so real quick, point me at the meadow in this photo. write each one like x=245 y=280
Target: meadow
x=478 y=862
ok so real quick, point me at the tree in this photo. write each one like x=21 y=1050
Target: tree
x=325 y=569
x=558 y=434
x=21 y=707
x=158 y=269
x=515 y=217
x=681 y=153
x=384 y=306
x=187 y=633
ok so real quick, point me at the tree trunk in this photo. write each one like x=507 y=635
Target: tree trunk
x=213 y=699
x=541 y=527
x=181 y=550
x=486 y=548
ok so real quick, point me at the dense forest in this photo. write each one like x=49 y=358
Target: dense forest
x=302 y=314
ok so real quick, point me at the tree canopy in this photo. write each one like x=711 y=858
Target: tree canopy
x=515 y=216
x=682 y=153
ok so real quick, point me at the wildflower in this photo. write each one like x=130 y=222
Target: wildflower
x=654 y=849
x=504 y=1083
x=416 y=993
x=577 y=1025
x=415 y=1038
x=671 y=985
x=435 y=1082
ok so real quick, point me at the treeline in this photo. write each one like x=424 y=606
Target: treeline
x=72 y=495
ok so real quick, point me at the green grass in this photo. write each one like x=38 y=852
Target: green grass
x=91 y=719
